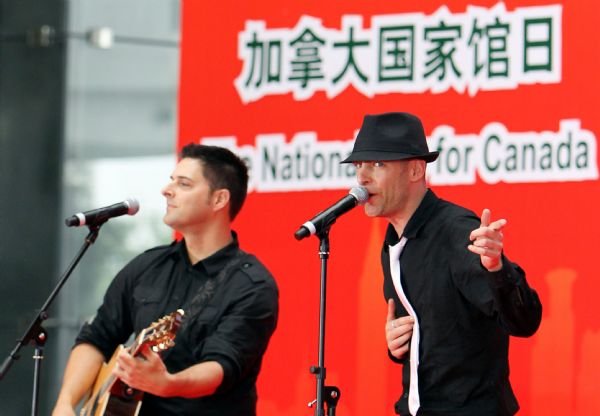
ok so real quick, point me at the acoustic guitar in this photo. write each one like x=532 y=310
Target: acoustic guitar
x=109 y=395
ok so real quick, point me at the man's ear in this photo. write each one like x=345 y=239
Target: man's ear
x=417 y=169
x=220 y=199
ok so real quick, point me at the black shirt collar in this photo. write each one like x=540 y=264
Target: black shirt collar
x=213 y=263
x=416 y=221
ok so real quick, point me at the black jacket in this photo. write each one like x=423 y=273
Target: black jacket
x=465 y=313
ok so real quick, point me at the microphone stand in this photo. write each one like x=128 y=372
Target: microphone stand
x=326 y=395
x=36 y=334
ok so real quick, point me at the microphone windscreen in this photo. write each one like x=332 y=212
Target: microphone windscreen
x=133 y=205
x=360 y=193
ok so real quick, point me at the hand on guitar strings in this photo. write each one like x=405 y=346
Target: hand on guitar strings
x=146 y=372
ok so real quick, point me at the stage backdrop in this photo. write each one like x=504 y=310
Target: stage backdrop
x=508 y=94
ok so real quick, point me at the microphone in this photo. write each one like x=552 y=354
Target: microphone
x=356 y=196
x=99 y=216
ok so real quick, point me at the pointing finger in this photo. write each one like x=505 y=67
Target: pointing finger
x=485 y=217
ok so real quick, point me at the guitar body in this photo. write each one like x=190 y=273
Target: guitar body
x=109 y=395
x=118 y=406
x=112 y=405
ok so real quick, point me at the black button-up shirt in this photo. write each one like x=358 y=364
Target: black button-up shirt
x=465 y=314
x=233 y=328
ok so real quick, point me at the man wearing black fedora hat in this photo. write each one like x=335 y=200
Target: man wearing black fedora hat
x=453 y=296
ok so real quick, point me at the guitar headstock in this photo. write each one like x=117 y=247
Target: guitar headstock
x=160 y=335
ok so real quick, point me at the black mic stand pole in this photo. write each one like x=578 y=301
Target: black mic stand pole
x=326 y=395
x=36 y=334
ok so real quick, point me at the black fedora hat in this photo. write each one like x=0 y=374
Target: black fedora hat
x=391 y=136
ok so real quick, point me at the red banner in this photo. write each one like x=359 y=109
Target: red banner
x=506 y=93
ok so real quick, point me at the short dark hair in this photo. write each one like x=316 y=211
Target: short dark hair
x=223 y=170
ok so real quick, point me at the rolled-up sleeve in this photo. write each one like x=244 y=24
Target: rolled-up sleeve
x=504 y=294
